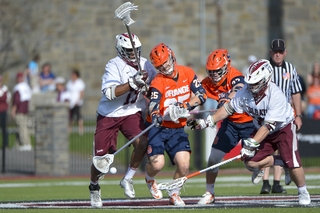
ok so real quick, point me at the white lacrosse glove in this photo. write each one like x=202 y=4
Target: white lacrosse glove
x=178 y=110
x=201 y=123
x=137 y=81
x=249 y=148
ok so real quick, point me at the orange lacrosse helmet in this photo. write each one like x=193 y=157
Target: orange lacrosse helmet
x=163 y=60
x=218 y=66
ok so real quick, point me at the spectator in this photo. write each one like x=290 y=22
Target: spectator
x=313 y=94
x=315 y=73
x=76 y=87
x=19 y=111
x=303 y=92
x=5 y=96
x=46 y=78
x=250 y=60
x=63 y=93
x=33 y=74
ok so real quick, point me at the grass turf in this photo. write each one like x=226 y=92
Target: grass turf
x=45 y=189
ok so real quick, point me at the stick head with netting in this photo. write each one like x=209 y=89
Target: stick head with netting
x=177 y=183
x=123 y=12
x=102 y=163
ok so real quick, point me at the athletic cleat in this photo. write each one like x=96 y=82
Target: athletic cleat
x=95 y=196
x=153 y=188
x=287 y=178
x=207 y=198
x=127 y=184
x=257 y=176
x=265 y=189
x=304 y=198
x=176 y=200
x=278 y=189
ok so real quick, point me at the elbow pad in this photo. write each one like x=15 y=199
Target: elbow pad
x=229 y=108
x=110 y=92
x=202 y=95
x=270 y=125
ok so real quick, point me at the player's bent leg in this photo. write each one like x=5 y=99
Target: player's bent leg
x=298 y=177
x=215 y=157
x=94 y=188
x=152 y=168
x=182 y=161
x=139 y=150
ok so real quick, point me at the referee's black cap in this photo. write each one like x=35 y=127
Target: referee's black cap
x=278 y=44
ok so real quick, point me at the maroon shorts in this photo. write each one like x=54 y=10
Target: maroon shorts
x=105 y=137
x=286 y=142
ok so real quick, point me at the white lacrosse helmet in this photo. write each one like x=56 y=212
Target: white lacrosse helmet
x=124 y=48
x=258 y=77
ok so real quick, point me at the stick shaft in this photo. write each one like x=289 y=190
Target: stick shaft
x=202 y=111
x=133 y=47
x=133 y=139
x=213 y=166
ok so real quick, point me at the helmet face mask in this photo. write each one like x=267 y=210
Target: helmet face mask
x=258 y=78
x=125 y=50
x=163 y=60
x=218 y=66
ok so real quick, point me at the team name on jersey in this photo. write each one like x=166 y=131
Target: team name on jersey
x=260 y=112
x=176 y=92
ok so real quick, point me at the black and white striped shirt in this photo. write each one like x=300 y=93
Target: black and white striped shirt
x=286 y=78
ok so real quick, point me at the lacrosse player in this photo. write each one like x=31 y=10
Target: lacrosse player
x=172 y=86
x=120 y=108
x=274 y=121
x=222 y=83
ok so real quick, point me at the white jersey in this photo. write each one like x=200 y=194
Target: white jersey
x=273 y=107
x=117 y=72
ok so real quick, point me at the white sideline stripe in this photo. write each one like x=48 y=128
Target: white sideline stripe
x=230 y=180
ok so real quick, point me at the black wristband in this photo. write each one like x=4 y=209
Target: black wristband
x=299 y=116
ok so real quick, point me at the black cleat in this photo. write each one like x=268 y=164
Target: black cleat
x=265 y=189
x=278 y=189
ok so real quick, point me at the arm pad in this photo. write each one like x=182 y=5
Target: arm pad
x=229 y=108
x=270 y=125
x=110 y=92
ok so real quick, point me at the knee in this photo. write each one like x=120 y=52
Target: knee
x=156 y=163
x=215 y=157
x=252 y=164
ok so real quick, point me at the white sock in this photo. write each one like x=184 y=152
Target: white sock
x=210 y=188
x=302 y=188
x=148 y=178
x=130 y=173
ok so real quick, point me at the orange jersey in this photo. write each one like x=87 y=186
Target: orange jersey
x=215 y=92
x=172 y=91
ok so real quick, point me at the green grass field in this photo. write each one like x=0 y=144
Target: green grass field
x=45 y=189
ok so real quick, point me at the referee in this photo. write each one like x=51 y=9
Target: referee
x=286 y=77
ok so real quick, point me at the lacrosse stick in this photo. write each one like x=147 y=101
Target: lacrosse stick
x=123 y=13
x=102 y=163
x=202 y=111
x=177 y=183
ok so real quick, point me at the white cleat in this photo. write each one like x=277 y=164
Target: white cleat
x=257 y=176
x=304 y=198
x=176 y=200
x=153 y=188
x=207 y=198
x=287 y=178
x=127 y=184
x=95 y=196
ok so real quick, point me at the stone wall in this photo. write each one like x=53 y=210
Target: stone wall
x=51 y=136
x=81 y=33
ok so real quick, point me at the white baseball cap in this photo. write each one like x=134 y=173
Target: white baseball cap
x=59 y=80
